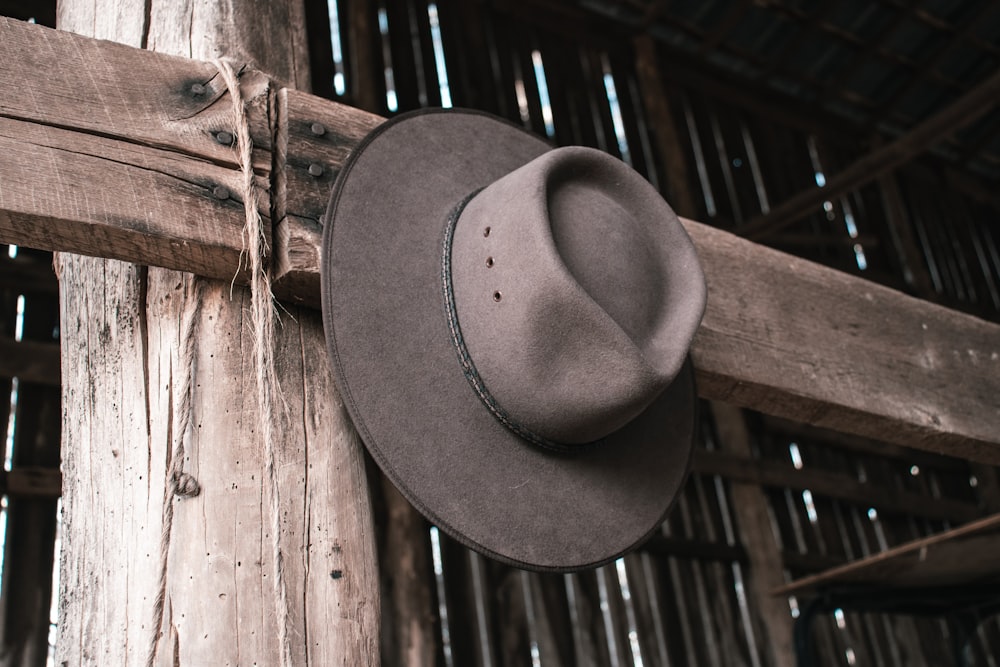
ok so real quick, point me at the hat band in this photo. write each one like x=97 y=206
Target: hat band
x=465 y=359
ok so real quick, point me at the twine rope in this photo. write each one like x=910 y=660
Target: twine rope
x=262 y=317
x=177 y=482
x=262 y=314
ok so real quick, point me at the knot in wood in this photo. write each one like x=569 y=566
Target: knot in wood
x=185 y=485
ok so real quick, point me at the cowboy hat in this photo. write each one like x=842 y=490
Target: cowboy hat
x=509 y=326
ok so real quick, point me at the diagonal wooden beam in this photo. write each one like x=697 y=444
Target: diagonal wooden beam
x=963 y=111
x=781 y=335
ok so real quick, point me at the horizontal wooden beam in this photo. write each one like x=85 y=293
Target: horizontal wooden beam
x=835 y=485
x=30 y=361
x=781 y=335
x=960 y=113
x=31 y=482
x=109 y=150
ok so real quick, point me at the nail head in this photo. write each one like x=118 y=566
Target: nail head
x=224 y=138
x=220 y=192
x=198 y=89
x=316 y=169
x=318 y=129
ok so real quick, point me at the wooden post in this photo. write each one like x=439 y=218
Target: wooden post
x=757 y=537
x=124 y=330
x=662 y=127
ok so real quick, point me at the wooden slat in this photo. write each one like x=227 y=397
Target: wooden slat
x=31 y=482
x=963 y=555
x=960 y=113
x=831 y=484
x=30 y=361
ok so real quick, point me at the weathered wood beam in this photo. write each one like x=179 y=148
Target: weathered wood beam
x=146 y=348
x=757 y=535
x=141 y=164
x=960 y=113
x=781 y=335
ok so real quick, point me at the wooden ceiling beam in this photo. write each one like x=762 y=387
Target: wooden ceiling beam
x=963 y=111
x=725 y=27
x=962 y=32
x=860 y=57
x=30 y=361
x=781 y=335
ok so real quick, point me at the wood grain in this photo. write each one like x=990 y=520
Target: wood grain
x=757 y=535
x=794 y=339
x=93 y=195
x=965 y=555
x=781 y=335
x=122 y=380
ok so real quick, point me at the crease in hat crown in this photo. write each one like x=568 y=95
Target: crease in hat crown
x=576 y=293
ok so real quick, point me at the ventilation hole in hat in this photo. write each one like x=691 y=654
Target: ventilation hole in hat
x=486 y=232
x=497 y=296
x=489 y=261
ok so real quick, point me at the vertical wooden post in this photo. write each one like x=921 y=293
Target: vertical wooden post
x=757 y=537
x=661 y=125
x=124 y=330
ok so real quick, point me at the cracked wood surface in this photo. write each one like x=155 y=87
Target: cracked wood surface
x=157 y=161
x=781 y=335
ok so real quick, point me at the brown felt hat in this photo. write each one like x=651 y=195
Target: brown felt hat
x=509 y=325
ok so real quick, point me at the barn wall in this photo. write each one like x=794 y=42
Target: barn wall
x=690 y=596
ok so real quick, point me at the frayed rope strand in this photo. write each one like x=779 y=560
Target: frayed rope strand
x=262 y=316
x=176 y=481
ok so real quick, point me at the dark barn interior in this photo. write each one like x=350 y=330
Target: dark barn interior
x=863 y=135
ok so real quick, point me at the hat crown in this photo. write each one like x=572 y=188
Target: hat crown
x=577 y=293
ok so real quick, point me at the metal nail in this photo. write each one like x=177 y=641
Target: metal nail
x=316 y=169
x=220 y=192
x=224 y=138
x=318 y=129
x=198 y=89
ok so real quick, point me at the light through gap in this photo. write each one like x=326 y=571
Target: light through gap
x=442 y=607
x=339 y=84
x=633 y=632
x=699 y=158
x=543 y=92
x=616 y=111
x=442 y=71
x=390 y=82
x=807 y=498
x=54 y=604
x=814 y=158
x=522 y=100
x=793 y=451
x=530 y=618
x=852 y=231
x=19 y=319
x=12 y=251
x=8 y=459
x=3 y=535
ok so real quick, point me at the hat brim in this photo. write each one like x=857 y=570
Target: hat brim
x=403 y=386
